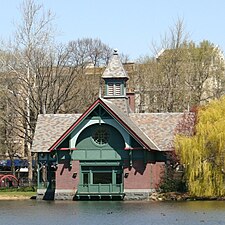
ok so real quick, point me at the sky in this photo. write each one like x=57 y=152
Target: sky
x=131 y=26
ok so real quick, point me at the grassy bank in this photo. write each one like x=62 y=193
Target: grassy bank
x=17 y=193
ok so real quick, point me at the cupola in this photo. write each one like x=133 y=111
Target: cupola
x=115 y=78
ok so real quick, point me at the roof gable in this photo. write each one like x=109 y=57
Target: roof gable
x=53 y=129
x=72 y=127
x=120 y=117
x=130 y=126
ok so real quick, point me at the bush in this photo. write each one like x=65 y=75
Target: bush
x=18 y=189
x=172 y=185
x=173 y=180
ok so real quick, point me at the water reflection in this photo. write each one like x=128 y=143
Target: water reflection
x=111 y=213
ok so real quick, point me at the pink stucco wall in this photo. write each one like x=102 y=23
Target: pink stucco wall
x=64 y=175
x=140 y=175
x=143 y=176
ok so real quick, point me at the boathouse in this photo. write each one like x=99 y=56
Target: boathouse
x=109 y=151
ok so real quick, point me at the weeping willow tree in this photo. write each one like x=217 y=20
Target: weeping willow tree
x=203 y=153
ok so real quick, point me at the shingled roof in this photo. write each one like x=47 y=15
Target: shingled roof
x=161 y=127
x=49 y=128
x=115 y=68
x=154 y=130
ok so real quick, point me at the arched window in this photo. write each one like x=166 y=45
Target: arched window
x=101 y=136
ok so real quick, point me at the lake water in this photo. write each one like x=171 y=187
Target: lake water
x=31 y=212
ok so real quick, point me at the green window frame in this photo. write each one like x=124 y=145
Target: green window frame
x=101 y=175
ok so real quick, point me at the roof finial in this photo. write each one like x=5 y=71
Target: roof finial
x=115 y=51
x=115 y=69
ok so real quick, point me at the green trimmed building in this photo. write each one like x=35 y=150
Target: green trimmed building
x=109 y=151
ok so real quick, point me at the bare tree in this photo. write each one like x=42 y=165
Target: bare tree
x=161 y=78
x=181 y=76
x=39 y=81
x=89 y=52
x=92 y=55
x=205 y=77
x=43 y=77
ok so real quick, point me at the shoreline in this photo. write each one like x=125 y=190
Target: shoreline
x=16 y=196
x=3 y=198
x=161 y=197
x=177 y=196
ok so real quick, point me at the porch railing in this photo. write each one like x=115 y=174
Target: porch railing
x=100 y=188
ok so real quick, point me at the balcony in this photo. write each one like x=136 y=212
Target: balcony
x=100 y=190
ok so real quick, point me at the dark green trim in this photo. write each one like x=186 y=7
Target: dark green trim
x=101 y=163
x=100 y=173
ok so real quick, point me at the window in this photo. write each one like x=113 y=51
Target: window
x=119 y=178
x=85 y=178
x=101 y=136
x=114 y=89
x=102 y=178
x=110 y=89
x=117 y=89
x=101 y=175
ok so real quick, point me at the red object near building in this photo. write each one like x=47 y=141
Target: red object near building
x=8 y=180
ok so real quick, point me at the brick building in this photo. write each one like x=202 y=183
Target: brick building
x=108 y=151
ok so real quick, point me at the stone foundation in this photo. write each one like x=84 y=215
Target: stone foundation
x=64 y=196
x=136 y=196
x=44 y=194
x=130 y=195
